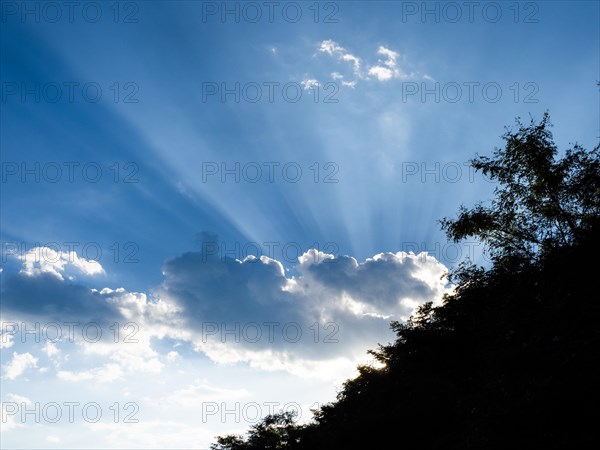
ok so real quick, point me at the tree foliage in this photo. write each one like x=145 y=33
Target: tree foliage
x=275 y=431
x=542 y=202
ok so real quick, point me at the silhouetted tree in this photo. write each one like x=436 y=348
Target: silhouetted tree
x=541 y=202
x=275 y=431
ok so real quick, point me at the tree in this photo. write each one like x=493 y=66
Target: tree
x=275 y=431
x=541 y=203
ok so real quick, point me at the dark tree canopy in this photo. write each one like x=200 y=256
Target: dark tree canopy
x=275 y=431
x=541 y=202
x=512 y=358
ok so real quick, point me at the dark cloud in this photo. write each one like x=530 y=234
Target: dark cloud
x=46 y=296
x=351 y=303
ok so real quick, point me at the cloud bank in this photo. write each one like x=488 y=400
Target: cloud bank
x=322 y=315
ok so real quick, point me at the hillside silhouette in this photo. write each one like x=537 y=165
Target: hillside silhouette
x=511 y=358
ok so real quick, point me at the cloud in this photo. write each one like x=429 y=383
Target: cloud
x=41 y=260
x=354 y=60
x=50 y=349
x=331 y=311
x=45 y=285
x=6 y=339
x=338 y=76
x=389 y=54
x=46 y=295
x=379 y=284
x=327 y=314
x=20 y=363
x=126 y=321
x=309 y=83
x=385 y=69
x=381 y=73
x=332 y=48
x=11 y=411
x=42 y=292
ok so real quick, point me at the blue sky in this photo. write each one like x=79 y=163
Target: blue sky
x=134 y=191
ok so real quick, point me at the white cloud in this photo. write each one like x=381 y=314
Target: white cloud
x=390 y=55
x=381 y=73
x=330 y=47
x=20 y=363
x=314 y=256
x=338 y=76
x=6 y=340
x=50 y=349
x=385 y=69
x=41 y=260
x=354 y=60
x=309 y=83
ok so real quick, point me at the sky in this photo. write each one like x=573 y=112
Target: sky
x=210 y=211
